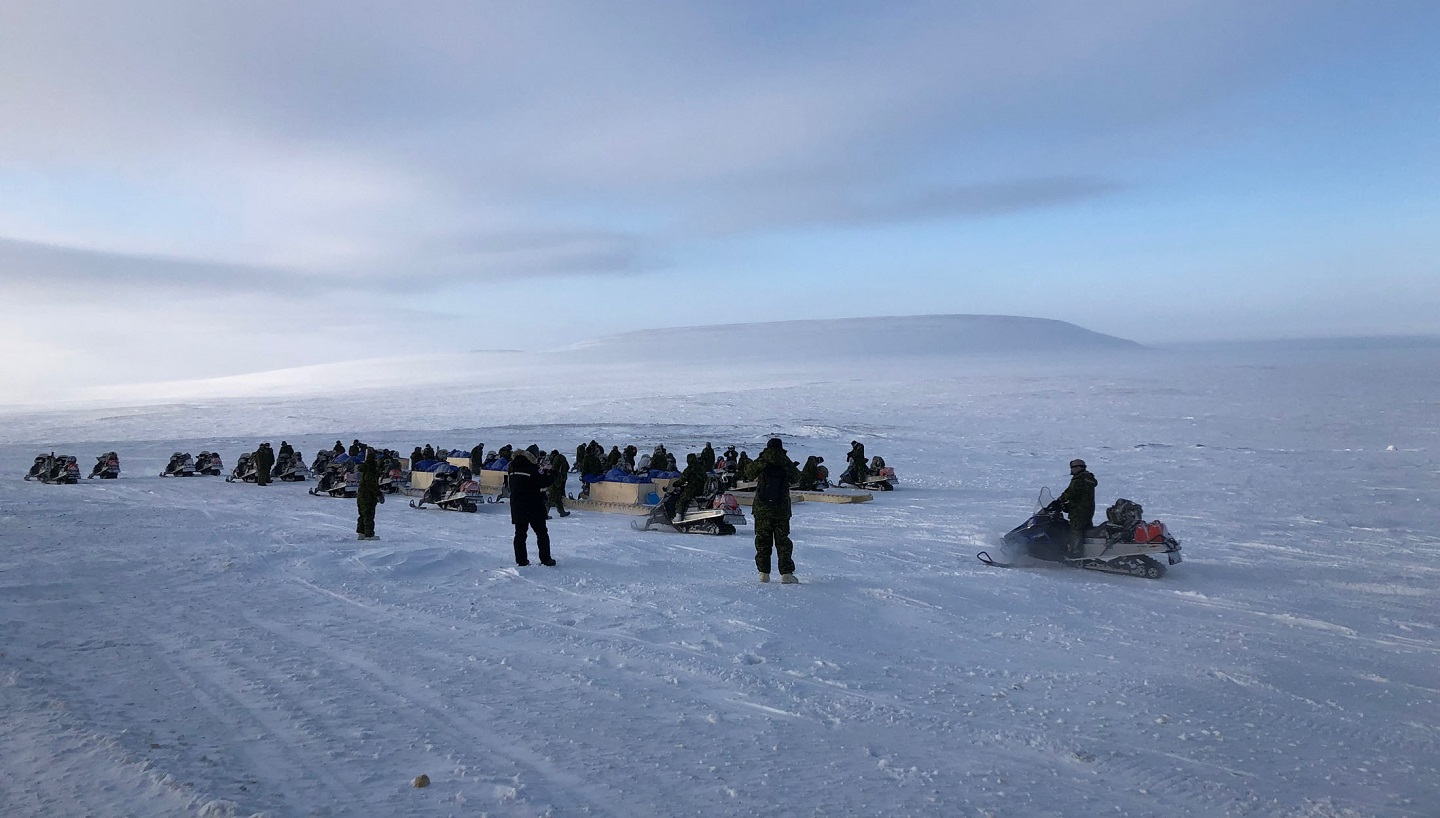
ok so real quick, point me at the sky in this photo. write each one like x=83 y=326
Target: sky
x=195 y=190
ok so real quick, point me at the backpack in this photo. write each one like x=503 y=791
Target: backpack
x=773 y=486
x=1125 y=513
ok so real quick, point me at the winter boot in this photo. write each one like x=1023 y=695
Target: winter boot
x=547 y=562
x=789 y=579
x=764 y=577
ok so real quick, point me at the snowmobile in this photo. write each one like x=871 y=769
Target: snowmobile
x=54 y=469
x=290 y=468
x=66 y=470
x=40 y=468
x=208 y=464
x=244 y=471
x=337 y=481
x=181 y=465
x=709 y=514
x=107 y=466
x=877 y=477
x=391 y=477
x=451 y=490
x=322 y=461
x=1123 y=544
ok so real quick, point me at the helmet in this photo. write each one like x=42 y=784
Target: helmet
x=1077 y=462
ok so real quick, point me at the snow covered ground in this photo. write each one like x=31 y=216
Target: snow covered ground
x=191 y=647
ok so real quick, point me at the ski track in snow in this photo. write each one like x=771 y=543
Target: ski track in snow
x=191 y=647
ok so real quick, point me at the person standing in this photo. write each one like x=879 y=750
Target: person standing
x=264 y=459
x=591 y=469
x=368 y=496
x=560 y=474
x=477 y=459
x=773 y=471
x=1078 y=502
x=857 y=463
x=527 y=505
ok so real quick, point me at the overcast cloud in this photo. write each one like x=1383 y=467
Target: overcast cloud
x=389 y=155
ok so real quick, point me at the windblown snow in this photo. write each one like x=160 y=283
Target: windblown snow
x=193 y=647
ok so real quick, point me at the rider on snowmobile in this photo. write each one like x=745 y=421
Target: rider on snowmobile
x=1078 y=502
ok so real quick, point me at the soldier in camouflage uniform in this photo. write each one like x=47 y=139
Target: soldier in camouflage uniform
x=368 y=497
x=1078 y=501
x=692 y=481
x=774 y=471
x=555 y=492
x=264 y=460
x=591 y=467
x=809 y=473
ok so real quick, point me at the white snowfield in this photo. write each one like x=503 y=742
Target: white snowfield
x=192 y=647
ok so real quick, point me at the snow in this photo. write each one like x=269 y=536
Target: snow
x=192 y=647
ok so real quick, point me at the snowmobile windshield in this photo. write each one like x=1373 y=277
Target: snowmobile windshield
x=1045 y=498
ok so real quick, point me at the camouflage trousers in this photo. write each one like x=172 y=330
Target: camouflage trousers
x=366 y=523
x=1078 y=527
x=772 y=532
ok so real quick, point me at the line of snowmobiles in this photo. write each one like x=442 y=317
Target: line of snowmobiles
x=1124 y=544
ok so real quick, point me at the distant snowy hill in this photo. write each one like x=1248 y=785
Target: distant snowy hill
x=786 y=346
x=888 y=336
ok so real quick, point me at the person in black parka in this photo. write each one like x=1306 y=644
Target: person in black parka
x=527 y=505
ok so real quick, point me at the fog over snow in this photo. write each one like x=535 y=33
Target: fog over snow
x=192 y=647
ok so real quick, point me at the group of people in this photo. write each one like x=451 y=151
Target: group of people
x=537 y=480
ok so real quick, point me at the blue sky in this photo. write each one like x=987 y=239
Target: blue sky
x=208 y=189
